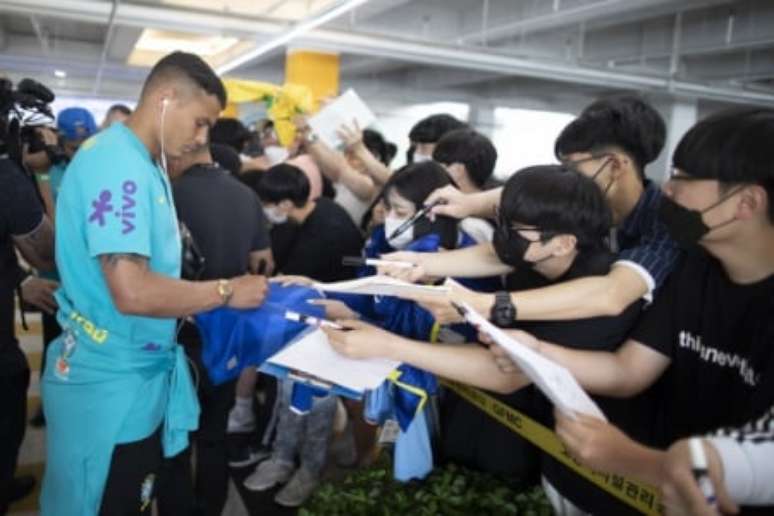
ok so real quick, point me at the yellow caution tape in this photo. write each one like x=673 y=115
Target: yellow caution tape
x=642 y=497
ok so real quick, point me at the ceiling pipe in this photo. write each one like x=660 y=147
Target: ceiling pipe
x=422 y=52
x=298 y=29
x=106 y=46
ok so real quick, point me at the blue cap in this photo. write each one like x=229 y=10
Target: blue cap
x=76 y=123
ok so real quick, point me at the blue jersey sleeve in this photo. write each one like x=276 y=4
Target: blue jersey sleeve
x=118 y=207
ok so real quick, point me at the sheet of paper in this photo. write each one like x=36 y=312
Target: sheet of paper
x=346 y=108
x=313 y=355
x=554 y=380
x=383 y=286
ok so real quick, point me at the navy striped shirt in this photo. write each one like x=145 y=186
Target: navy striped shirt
x=643 y=241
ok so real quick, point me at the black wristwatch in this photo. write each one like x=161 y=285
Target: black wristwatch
x=503 y=311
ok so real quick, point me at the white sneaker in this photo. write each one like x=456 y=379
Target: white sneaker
x=300 y=487
x=240 y=421
x=268 y=474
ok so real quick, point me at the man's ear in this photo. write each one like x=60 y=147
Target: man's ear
x=753 y=200
x=620 y=163
x=565 y=244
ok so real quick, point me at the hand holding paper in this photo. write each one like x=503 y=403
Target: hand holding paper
x=313 y=355
x=555 y=381
x=348 y=107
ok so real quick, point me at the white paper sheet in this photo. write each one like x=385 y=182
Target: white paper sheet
x=554 y=380
x=383 y=286
x=346 y=108
x=313 y=355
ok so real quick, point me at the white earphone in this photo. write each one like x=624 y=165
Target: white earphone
x=164 y=103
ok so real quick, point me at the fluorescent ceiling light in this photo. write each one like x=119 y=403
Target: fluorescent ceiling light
x=60 y=74
x=288 y=10
x=165 y=42
x=296 y=30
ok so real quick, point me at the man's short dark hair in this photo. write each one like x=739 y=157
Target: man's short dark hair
x=472 y=149
x=226 y=157
x=432 y=128
x=231 y=132
x=121 y=108
x=283 y=182
x=383 y=150
x=187 y=66
x=626 y=122
x=557 y=200
x=733 y=146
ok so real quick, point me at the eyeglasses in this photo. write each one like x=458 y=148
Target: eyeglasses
x=678 y=175
x=574 y=164
x=509 y=231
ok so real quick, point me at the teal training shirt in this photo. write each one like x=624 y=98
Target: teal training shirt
x=110 y=378
x=115 y=199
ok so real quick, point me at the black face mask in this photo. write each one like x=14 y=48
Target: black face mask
x=686 y=226
x=511 y=248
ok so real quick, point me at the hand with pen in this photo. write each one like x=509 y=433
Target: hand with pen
x=360 y=340
x=398 y=270
x=443 y=310
x=685 y=490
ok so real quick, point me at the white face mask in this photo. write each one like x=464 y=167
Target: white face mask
x=276 y=154
x=274 y=215
x=401 y=241
x=419 y=158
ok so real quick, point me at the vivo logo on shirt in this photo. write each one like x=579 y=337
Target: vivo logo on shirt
x=127 y=208
x=721 y=358
x=103 y=206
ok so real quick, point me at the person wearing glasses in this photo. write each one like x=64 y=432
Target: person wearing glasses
x=707 y=337
x=554 y=222
x=611 y=142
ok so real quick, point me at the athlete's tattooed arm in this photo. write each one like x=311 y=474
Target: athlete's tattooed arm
x=137 y=290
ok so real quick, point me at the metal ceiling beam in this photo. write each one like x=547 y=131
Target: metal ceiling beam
x=594 y=15
x=40 y=33
x=456 y=57
x=388 y=47
x=106 y=45
x=697 y=51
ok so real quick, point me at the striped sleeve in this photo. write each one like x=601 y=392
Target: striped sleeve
x=654 y=257
x=747 y=455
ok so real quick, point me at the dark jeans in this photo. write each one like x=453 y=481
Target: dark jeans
x=13 y=422
x=177 y=494
x=131 y=480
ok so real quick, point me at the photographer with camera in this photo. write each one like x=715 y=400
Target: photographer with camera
x=23 y=227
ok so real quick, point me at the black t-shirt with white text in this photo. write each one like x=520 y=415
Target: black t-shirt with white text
x=720 y=338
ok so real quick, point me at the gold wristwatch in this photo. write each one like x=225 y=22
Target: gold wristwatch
x=225 y=290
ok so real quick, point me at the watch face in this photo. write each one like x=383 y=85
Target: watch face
x=503 y=312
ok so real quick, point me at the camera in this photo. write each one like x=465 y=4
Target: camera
x=22 y=110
